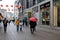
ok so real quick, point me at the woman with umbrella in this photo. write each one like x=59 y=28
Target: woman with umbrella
x=33 y=23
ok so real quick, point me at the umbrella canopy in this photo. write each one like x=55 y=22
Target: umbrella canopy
x=33 y=19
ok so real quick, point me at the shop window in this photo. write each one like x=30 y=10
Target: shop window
x=35 y=9
x=45 y=13
x=45 y=17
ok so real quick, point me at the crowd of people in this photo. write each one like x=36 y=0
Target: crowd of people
x=21 y=23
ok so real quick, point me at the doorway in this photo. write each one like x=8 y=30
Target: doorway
x=58 y=14
x=57 y=4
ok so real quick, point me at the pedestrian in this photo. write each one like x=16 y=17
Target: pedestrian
x=1 y=17
x=17 y=24
x=33 y=23
x=21 y=24
x=5 y=24
x=25 y=21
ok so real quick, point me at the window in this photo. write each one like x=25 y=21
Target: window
x=33 y=2
x=45 y=13
x=38 y=1
x=27 y=5
x=35 y=9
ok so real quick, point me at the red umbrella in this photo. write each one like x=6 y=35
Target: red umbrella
x=33 y=19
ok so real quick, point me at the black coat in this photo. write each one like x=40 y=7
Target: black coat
x=32 y=24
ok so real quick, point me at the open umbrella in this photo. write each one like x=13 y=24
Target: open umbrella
x=33 y=19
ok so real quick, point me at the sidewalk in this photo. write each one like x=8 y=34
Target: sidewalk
x=49 y=29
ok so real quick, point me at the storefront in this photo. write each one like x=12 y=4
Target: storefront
x=47 y=12
x=50 y=13
x=43 y=12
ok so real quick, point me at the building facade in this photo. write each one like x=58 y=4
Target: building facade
x=16 y=12
x=26 y=4
x=29 y=7
x=47 y=12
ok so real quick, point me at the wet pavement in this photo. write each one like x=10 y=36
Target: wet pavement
x=39 y=34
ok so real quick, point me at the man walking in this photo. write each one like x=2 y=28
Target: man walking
x=5 y=24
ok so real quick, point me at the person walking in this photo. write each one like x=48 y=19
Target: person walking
x=21 y=24
x=33 y=23
x=5 y=21
x=25 y=22
x=17 y=24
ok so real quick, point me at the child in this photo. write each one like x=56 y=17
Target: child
x=21 y=24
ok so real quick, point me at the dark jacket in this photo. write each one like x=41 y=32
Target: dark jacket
x=32 y=24
x=25 y=19
x=5 y=22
